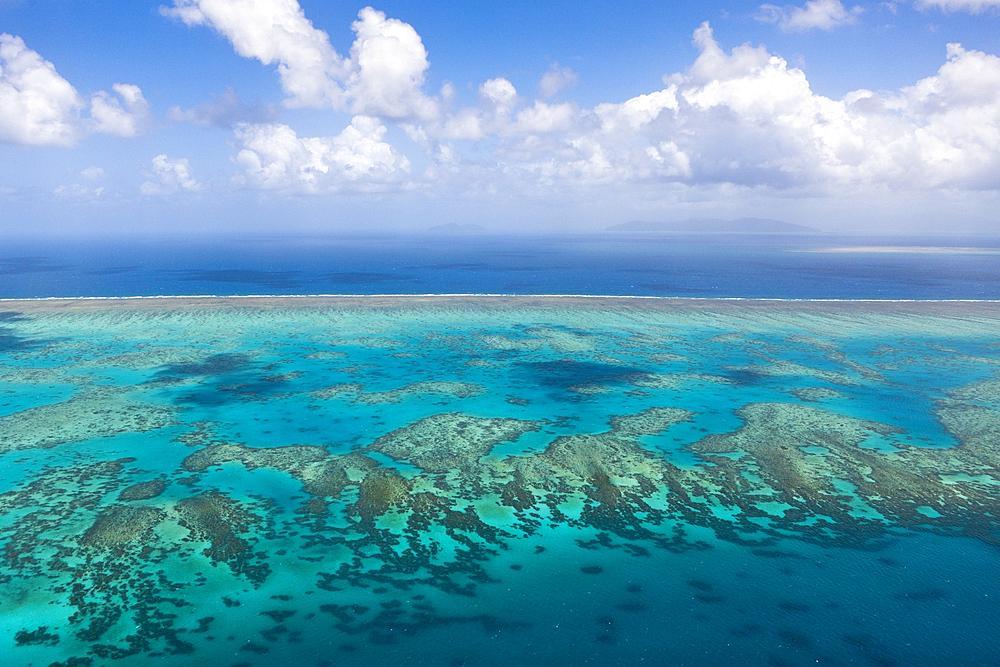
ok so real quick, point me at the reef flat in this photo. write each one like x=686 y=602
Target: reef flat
x=488 y=480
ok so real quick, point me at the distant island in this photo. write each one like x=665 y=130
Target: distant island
x=716 y=226
x=454 y=228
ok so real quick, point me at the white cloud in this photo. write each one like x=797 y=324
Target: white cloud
x=171 y=175
x=556 y=79
x=388 y=60
x=274 y=157
x=274 y=31
x=37 y=106
x=78 y=191
x=124 y=116
x=498 y=99
x=542 y=118
x=738 y=118
x=383 y=75
x=972 y=6
x=822 y=14
x=747 y=119
x=93 y=173
x=500 y=95
x=636 y=112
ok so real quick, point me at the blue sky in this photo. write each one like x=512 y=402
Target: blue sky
x=277 y=115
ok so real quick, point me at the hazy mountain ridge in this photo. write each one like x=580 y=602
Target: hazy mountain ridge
x=455 y=228
x=716 y=226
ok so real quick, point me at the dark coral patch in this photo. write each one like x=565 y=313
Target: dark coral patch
x=220 y=520
x=143 y=490
x=378 y=492
x=39 y=637
x=121 y=527
x=215 y=365
x=567 y=373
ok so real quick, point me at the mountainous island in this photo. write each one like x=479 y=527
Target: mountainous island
x=716 y=226
x=455 y=228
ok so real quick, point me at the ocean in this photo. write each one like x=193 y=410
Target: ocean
x=754 y=476
x=636 y=264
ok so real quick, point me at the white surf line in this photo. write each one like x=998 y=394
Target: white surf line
x=483 y=295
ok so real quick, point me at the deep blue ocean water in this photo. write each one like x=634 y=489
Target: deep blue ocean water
x=494 y=482
x=750 y=266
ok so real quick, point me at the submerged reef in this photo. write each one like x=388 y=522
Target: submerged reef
x=220 y=521
x=169 y=484
x=452 y=442
x=358 y=395
x=98 y=412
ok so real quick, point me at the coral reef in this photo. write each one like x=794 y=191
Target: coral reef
x=452 y=389
x=120 y=526
x=220 y=521
x=649 y=430
x=450 y=442
x=143 y=490
x=814 y=394
x=97 y=412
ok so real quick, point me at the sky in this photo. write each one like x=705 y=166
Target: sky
x=316 y=116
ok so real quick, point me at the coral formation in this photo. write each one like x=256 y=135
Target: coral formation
x=450 y=442
x=220 y=521
x=453 y=389
x=648 y=430
x=143 y=490
x=120 y=526
x=97 y=412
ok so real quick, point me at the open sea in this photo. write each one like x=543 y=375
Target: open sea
x=633 y=264
x=448 y=464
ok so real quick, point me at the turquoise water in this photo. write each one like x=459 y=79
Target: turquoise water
x=488 y=481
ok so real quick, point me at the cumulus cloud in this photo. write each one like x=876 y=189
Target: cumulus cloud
x=274 y=31
x=556 y=79
x=742 y=117
x=226 y=110
x=77 y=191
x=500 y=114
x=388 y=60
x=274 y=157
x=543 y=118
x=752 y=119
x=37 y=106
x=170 y=175
x=93 y=173
x=972 y=6
x=822 y=14
x=123 y=116
x=383 y=75
x=746 y=118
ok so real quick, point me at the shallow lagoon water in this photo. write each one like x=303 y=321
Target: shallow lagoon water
x=488 y=481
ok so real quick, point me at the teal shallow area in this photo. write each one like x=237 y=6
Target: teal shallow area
x=491 y=481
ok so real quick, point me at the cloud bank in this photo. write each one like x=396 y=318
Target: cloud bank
x=741 y=118
x=747 y=118
x=737 y=120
